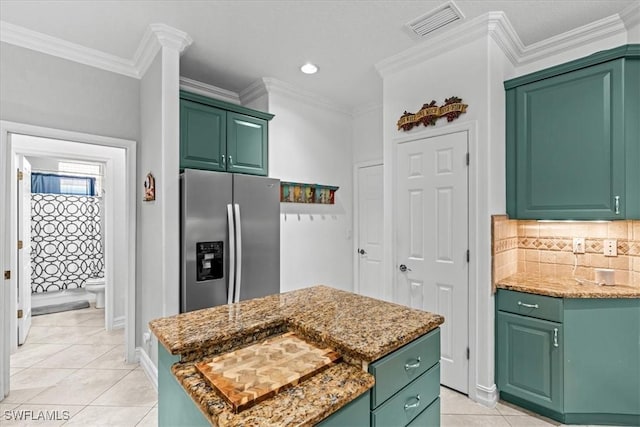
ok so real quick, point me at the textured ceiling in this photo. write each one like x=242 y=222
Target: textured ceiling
x=237 y=42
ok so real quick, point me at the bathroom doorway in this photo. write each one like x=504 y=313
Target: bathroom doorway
x=118 y=160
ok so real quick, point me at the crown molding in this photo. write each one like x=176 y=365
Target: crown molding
x=367 y=108
x=208 y=90
x=499 y=28
x=572 y=39
x=33 y=40
x=631 y=15
x=446 y=41
x=269 y=85
x=156 y=37
x=254 y=91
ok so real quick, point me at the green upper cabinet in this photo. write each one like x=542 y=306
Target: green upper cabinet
x=246 y=144
x=202 y=136
x=572 y=140
x=218 y=136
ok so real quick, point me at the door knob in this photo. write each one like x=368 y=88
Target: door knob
x=361 y=251
x=404 y=268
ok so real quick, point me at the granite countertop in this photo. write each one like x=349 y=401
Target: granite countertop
x=356 y=326
x=361 y=329
x=564 y=287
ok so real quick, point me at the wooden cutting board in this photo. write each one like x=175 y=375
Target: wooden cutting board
x=249 y=375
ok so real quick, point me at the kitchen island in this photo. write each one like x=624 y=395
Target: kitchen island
x=390 y=358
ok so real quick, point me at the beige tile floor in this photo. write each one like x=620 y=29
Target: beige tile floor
x=70 y=363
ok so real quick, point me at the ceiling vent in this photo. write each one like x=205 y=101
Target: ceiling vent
x=434 y=20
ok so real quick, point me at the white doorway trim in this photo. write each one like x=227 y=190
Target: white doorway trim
x=7 y=152
x=474 y=326
x=356 y=228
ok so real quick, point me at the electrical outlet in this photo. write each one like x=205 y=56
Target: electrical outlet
x=578 y=245
x=610 y=247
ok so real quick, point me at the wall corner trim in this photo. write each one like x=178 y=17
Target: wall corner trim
x=205 y=89
x=487 y=396
x=147 y=366
x=156 y=37
x=269 y=85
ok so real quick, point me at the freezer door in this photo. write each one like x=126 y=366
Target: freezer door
x=204 y=238
x=258 y=202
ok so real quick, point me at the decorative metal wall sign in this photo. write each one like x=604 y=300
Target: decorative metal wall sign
x=430 y=113
x=149 y=188
x=66 y=241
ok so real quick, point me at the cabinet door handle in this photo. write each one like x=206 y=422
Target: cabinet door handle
x=223 y=160
x=413 y=365
x=555 y=337
x=230 y=160
x=617 y=204
x=413 y=405
x=524 y=304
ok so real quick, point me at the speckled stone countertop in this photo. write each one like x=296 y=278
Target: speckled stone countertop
x=358 y=327
x=361 y=329
x=564 y=287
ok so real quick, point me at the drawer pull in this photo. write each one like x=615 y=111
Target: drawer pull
x=524 y=304
x=413 y=405
x=414 y=365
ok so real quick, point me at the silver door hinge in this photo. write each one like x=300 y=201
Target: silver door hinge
x=468 y=353
x=20 y=314
x=468 y=255
x=19 y=244
x=20 y=175
x=467 y=159
x=7 y=274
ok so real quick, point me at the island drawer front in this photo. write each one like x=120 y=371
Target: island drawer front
x=409 y=402
x=396 y=370
x=430 y=417
x=532 y=305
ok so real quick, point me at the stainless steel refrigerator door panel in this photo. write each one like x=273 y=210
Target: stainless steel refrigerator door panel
x=204 y=199
x=258 y=199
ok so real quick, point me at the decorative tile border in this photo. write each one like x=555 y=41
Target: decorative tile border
x=594 y=246
x=506 y=245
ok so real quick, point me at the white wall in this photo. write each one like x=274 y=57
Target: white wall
x=312 y=144
x=149 y=239
x=367 y=135
x=47 y=91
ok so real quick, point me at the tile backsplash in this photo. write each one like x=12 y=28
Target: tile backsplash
x=547 y=248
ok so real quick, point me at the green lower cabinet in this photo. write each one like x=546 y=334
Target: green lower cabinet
x=430 y=417
x=588 y=372
x=530 y=363
x=354 y=414
x=175 y=407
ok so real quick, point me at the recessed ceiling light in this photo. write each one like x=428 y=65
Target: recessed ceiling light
x=309 y=68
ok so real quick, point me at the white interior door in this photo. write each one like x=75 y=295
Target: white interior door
x=370 y=231
x=24 y=249
x=432 y=241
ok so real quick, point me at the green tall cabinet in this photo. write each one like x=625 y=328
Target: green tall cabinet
x=219 y=136
x=573 y=142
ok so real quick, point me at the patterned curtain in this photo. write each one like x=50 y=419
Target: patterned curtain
x=66 y=241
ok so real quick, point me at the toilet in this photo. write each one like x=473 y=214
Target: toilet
x=96 y=286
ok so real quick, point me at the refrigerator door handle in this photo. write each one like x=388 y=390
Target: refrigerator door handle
x=239 y=252
x=232 y=254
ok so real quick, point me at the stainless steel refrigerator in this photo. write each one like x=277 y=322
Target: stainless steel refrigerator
x=230 y=238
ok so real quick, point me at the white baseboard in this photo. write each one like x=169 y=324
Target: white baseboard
x=118 y=322
x=487 y=396
x=147 y=366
